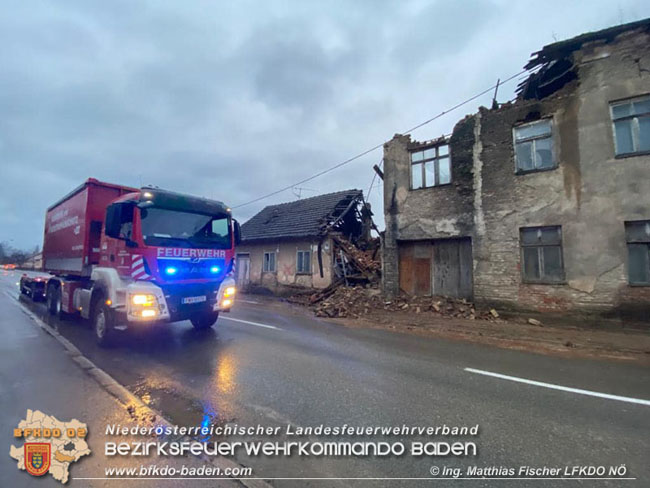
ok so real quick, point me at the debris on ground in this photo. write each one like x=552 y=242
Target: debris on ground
x=534 y=322
x=355 y=292
x=339 y=301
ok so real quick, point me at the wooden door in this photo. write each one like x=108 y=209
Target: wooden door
x=415 y=268
x=452 y=269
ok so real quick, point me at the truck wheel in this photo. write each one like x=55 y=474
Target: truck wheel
x=54 y=300
x=205 y=320
x=103 y=324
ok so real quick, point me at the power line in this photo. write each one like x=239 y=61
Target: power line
x=374 y=148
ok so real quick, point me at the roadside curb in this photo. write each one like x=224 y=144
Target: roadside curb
x=128 y=399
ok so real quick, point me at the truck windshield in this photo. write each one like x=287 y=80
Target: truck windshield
x=171 y=228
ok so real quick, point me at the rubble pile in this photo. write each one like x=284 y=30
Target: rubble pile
x=355 y=302
x=365 y=261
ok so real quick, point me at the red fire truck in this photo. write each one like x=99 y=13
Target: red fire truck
x=125 y=257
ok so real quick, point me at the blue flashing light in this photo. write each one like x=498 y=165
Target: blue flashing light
x=171 y=270
x=215 y=269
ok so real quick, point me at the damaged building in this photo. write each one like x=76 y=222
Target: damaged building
x=539 y=204
x=308 y=243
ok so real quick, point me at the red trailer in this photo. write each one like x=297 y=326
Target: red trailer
x=73 y=227
x=123 y=256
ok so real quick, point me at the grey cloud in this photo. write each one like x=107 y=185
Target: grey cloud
x=442 y=30
x=233 y=100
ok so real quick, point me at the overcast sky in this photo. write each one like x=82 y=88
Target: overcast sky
x=232 y=100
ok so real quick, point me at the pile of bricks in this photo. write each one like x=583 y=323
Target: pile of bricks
x=358 y=301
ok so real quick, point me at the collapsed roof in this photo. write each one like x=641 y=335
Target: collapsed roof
x=309 y=217
x=554 y=67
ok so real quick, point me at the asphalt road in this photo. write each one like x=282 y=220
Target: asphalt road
x=275 y=366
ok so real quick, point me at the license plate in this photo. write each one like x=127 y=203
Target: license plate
x=188 y=300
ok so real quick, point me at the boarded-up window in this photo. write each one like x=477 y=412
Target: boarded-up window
x=303 y=262
x=637 y=235
x=541 y=254
x=268 y=265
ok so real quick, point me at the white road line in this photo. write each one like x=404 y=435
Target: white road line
x=14 y=298
x=248 y=301
x=561 y=388
x=257 y=324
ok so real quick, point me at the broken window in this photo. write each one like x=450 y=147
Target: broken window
x=268 y=265
x=631 y=120
x=430 y=167
x=541 y=254
x=303 y=262
x=637 y=235
x=534 y=146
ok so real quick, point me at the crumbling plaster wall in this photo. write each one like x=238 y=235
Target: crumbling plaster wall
x=285 y=273
x=428 y=213
x=590 y=194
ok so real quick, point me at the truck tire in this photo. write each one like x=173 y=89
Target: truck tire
x=205 y=320
x=54 y=300
x=103 y=324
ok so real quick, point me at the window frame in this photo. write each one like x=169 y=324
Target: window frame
x=633 y=242
x=542 y=280
x=521 y=171
x=635 y=120
x=266 y=269
x=302 y=271
x=436 y=165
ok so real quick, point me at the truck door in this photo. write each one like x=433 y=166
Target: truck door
x=119 y=231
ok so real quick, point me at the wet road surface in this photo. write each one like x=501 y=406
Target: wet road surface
x=276 y=366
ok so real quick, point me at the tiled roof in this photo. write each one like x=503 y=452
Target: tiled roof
x=302 y=218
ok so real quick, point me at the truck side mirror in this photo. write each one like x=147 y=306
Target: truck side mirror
x=237 y=228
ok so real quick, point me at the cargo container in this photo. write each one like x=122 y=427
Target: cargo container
x=125 y=257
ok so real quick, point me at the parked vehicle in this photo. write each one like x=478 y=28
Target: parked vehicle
x=33 y=287
x=126 y=257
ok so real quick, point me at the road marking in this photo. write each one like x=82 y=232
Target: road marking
x=561 y=388
x=248 y=301
x=257 y=324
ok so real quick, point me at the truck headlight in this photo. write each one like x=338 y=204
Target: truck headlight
x=230 y=291
x=143 y=300
x=143 y=305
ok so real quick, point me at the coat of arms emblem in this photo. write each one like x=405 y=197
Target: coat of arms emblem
x=37 y=458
